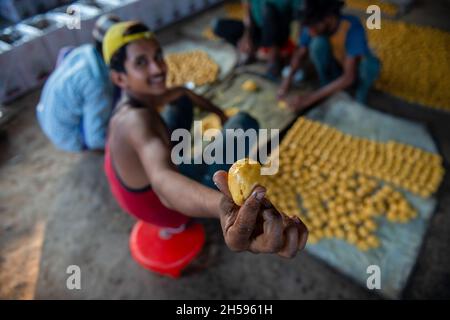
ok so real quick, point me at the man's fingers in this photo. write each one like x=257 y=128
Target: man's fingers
x=271 y=241
x=242 y=229
x=220 y=179
x=251 y=207
x=266 y=204
x=296 y=236
x=273 y=230
x=291 y=242
x=303 y=234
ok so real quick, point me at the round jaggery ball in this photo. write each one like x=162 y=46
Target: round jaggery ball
x=249 y=86
x=243 y=177
x=282 y=104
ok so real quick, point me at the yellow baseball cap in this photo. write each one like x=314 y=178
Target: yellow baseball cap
x=115 y=39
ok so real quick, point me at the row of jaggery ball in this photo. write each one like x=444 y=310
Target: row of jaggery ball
x=336 y=198
x=415 y=62
x=402 y=165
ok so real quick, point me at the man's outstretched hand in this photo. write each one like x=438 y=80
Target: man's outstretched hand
x=257 y=226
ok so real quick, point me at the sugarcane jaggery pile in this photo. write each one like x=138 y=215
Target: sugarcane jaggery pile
x=192 y=66
x=340 y=185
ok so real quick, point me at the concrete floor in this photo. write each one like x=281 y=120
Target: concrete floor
x=61 y=202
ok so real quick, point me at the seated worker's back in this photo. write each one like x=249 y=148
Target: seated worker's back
x=76 y=101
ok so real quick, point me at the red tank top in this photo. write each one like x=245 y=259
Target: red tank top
x=144 y=204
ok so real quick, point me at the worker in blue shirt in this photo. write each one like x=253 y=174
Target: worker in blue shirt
x=77 y=99
x=337 y=46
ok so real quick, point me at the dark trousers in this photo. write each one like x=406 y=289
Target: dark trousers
x=275 y=30
x=180 y=115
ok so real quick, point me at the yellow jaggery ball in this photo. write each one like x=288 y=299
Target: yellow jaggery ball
x=370 y=225
x=282 y=104
x=312 y=238
x=212 y=121
x=362 y=245
x=230 y=112
x=363 y=232
x=339 y=233
x=352 y=237
x=243 y=176
x=328 y=232
x=373 y=241
x=249 y=86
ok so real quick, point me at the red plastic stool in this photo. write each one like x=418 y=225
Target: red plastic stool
x=165 y=254
x=286 y=51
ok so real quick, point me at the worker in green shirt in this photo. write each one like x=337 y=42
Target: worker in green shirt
x=266 y=23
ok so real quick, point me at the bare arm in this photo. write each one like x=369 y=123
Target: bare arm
x=296 y=62
x=246 y=44
x=343 y=82
x=247 y=19
x=175 y=191
x=302 y=102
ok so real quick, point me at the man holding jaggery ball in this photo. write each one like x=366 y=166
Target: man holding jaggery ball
x=138 y=164
x=337 y=46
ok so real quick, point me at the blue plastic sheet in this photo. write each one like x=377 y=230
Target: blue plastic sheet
x=400 y=243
